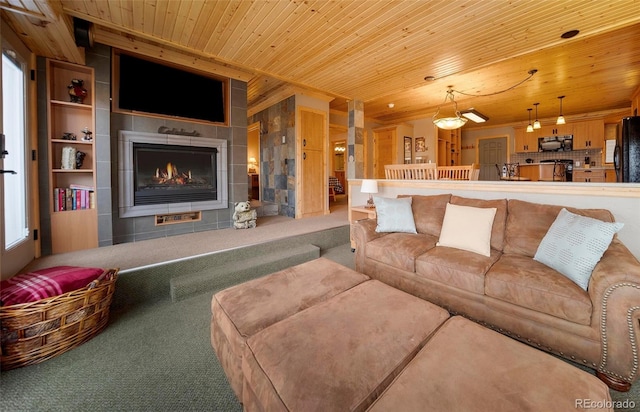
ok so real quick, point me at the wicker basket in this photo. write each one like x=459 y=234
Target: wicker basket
x=36 y=331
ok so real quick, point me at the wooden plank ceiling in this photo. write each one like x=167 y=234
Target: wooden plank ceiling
x=377 y=51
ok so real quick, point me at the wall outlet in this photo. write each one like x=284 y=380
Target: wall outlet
x=284 y=139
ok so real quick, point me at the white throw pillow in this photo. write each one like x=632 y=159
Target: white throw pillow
x=574 y=244
x=467 y=228
x=394 y=215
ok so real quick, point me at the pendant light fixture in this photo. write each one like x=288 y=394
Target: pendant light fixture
x=536 y=124
x=560 y=117
x=449 y=123
x=530 y=127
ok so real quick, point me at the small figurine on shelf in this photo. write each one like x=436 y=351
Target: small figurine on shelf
x=68 y=136
x=80 y=159
x=88 y=134
x=76 y=91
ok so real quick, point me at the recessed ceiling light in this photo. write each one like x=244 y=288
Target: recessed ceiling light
x=391 y=105
x=569 y=34
x=430 y=78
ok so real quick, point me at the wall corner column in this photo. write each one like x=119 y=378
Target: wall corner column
x=355 y=140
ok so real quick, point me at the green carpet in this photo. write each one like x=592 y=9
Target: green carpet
x=155 y=356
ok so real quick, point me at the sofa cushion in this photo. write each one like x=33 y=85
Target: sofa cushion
x=338 y=355
x=528 y=223
x=394 y=215
x=399 y=250
x=574 y=245
x=524 y=282
x=499 y=222
x=456 y=267
x=428 y=212
x=467 y=228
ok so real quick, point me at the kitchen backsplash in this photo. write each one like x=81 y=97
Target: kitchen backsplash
x=595 y=155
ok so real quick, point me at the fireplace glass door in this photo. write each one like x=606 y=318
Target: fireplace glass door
x=173 y=174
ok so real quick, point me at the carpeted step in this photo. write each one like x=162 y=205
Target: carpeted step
x=219 y=277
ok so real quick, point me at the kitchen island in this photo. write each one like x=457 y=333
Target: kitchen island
x=543 y=172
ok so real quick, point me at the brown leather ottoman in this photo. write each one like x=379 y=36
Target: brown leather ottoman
x=338 y=355
x=466 y=367
x=243 y=310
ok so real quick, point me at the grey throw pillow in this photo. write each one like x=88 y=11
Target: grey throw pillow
x=394 y=215
x=574 y=244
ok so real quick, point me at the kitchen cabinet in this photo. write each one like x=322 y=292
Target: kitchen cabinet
x=610 y=176
x=525 y=142
x=71 y=157
x=589 y=175
x=588 y=135
x=554 y=130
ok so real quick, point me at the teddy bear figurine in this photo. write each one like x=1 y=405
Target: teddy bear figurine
x=243 y=216
x=76 y=91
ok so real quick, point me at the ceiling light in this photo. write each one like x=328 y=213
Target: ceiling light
x=530 y=127
x=391 y=105
x=560 y=117
x=449 y=123
x=474 y=115
x=536 y=124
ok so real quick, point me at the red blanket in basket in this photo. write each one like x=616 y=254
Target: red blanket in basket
x=45 y=283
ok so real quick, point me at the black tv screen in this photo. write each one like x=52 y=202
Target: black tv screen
x=150 y=87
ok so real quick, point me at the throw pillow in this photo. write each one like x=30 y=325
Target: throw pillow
x=394 y=215
x=45 y=283
x=574 y=244
x=467 y=228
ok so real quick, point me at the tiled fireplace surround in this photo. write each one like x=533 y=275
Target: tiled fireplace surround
x=112 y=229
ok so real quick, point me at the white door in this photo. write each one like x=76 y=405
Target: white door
x=16 y=237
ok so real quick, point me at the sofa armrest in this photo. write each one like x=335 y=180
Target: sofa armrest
x=614 y=289
x=363 y=231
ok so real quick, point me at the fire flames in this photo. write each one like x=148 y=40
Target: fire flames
x=171 y=175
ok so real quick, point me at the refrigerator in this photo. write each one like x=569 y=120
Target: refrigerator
x=626 y=156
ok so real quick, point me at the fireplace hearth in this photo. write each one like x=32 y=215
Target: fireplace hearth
x=169 y=173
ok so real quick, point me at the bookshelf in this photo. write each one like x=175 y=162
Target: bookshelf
x=74 y=217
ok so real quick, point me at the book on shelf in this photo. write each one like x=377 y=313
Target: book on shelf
x=73 y=198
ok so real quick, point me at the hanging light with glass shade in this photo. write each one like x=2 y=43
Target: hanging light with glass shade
x=449 y=123
x=561 y=116
x=536 y=123
x=530 y=126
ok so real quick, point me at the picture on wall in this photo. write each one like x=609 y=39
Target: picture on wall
x=420 y=145
x=408 y=142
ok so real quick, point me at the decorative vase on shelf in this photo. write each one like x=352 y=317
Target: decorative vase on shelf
x=68 y=158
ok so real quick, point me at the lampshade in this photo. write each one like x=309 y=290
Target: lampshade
x=560 y=117
x=449 y=123
x=252 y=160
x=530 y=126
x=369 y=186
x=536 y=124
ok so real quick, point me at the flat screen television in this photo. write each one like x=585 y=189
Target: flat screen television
x=150 y=87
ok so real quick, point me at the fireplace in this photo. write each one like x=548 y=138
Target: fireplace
x=173 y=174
x=169 y=173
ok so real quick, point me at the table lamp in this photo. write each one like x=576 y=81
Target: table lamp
x=369 y=186
x=252 y=164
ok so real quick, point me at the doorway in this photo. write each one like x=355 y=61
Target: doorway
x=17 y=182
x=253 y=161
x=492 y=151
x=384 y=148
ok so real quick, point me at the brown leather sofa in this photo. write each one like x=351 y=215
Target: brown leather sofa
x=511 y=292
